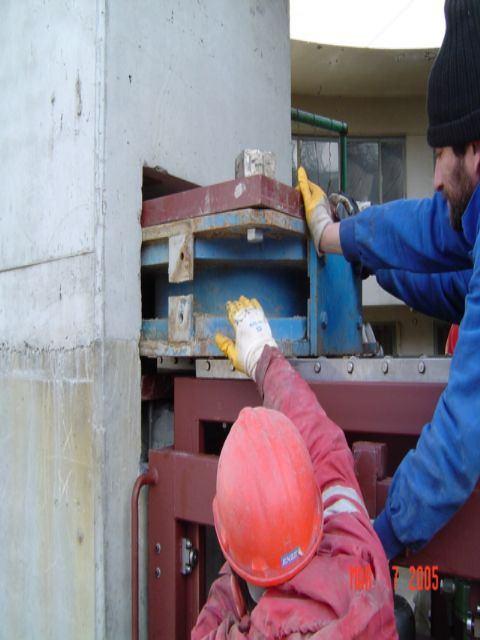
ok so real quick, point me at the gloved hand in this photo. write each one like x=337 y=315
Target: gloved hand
x=342 y=206
x=317 y=208
x=252 y=333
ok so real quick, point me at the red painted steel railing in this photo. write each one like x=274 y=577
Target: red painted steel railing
x=150 y=477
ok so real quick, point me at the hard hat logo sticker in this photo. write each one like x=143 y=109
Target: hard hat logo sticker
x=289 y=557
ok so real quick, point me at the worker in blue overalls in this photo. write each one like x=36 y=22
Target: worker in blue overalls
x=429 y=250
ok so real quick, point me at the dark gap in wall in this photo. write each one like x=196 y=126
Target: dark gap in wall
x=214 y=435
x=158 y=182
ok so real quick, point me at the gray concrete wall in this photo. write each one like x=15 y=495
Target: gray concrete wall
x=188 y=85
x=47 y=328
x=96 y=92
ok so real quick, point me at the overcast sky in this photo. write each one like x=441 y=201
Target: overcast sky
x=379 y=24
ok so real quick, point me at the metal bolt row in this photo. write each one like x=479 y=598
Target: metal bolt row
x=422 y=367
x=158 y=571
x=385 y=367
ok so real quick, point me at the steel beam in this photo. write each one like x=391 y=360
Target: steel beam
x=353 y=369
x=180 y=502
x=257 y=192
x=357 y=407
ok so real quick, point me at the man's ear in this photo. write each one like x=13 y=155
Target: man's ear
x=476 y=157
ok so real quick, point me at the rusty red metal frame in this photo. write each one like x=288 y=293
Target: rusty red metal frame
x=358 y=407
x=180 y=504
x=454 y=549
x=251 y=192
x=183 y=495
x=148 y=478
x=370 y=459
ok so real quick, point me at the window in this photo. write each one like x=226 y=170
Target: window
x=386 y=336
x=320 y=158
x=375 y=166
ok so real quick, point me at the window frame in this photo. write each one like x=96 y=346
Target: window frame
x=368 y=139
x=379 y=140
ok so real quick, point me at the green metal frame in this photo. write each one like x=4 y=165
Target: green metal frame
x=328 y=124
x=333 y=309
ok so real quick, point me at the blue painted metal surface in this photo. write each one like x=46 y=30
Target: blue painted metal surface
x=335 y=307
x=313 y=305
x=288 y=250
x=290 y=333
x=280 y=289
x=341 y=296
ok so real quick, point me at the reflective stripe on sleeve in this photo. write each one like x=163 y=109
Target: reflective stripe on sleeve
x=345 y=492
x=340 y=506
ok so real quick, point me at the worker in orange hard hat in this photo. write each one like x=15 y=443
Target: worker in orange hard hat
x=303 y=560
x=268 y=527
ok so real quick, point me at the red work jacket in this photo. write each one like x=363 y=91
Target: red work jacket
x=345 y=591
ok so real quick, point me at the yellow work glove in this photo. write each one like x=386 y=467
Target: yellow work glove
x=317 y=208
x=252 y=333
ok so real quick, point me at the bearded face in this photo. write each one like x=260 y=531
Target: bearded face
x=456 y=182
x=458 y=191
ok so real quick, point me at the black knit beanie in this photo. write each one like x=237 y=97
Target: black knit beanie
x=453 y=100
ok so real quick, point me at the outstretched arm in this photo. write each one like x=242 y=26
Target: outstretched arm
x=413 y=234
x=438 y=476
x=255 y=352
x=405 y=234
x=283 y=389
x=441 y=295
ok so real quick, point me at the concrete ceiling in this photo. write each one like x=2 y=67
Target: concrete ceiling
x=326 y=70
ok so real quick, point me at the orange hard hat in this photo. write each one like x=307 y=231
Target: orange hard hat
x=267 y=508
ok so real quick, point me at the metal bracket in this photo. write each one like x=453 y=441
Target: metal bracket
x=189 y=557
x=180 y=257
x=254 y=235
x=180 y=318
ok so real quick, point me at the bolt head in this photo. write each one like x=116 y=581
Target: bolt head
x=350 y=367
x=193 y=557
x=318 y=367
x=421 y=367
x=158 y=572
x=206 y=365
x=158 y=547
x=385 y=367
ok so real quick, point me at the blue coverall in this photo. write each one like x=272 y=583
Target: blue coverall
x=414 y=252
